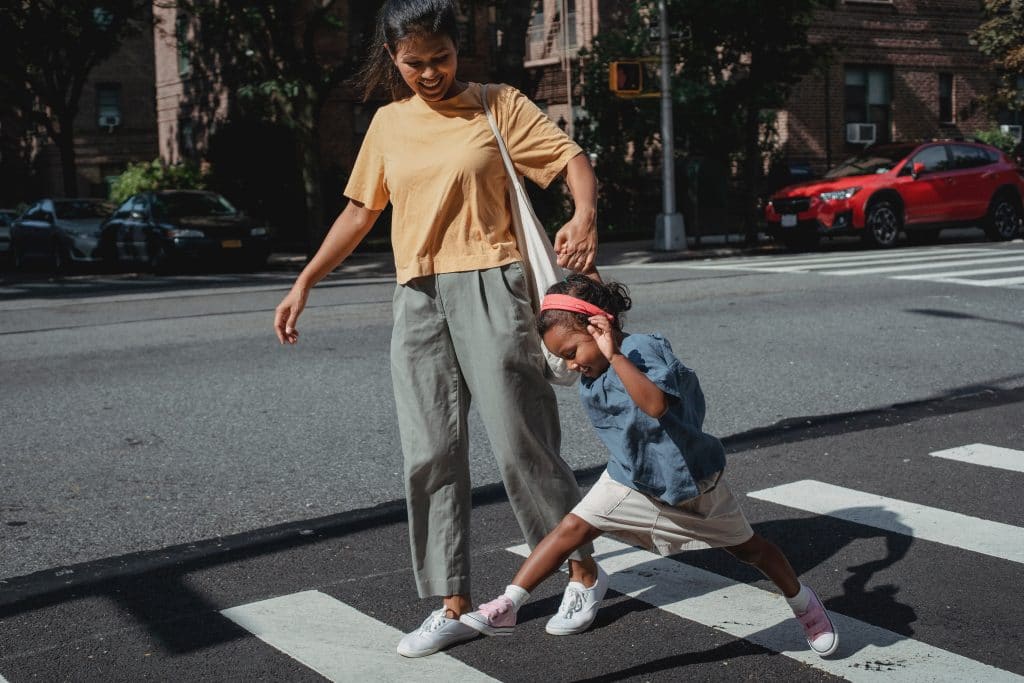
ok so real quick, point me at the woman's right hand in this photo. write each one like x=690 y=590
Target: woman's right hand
x=286 y=315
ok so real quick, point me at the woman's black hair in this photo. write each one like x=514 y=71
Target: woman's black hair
x=396 y=21
x=612 y=297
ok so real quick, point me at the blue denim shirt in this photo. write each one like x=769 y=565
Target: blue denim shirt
x=665 y=457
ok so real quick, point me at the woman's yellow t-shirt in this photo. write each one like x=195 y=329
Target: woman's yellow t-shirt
x=439 y=165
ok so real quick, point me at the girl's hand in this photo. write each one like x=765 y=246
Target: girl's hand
x=286 y=315
x=600 y=328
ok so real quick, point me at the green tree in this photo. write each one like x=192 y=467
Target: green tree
x=156 y=175
x=735 y=62
x=1001 y=39
x=51 y=48
x=278 y=61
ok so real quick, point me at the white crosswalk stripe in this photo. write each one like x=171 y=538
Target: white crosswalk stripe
x=935 y=264
x=764 y=618
x=983 y=454
x=920 y=521
x=341 y=643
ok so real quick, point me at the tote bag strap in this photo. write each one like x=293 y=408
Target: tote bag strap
x=539 y=258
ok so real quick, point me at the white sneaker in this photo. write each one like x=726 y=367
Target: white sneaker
x=579 y=607
x=436 y=633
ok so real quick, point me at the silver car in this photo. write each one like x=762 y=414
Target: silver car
x=59 y=231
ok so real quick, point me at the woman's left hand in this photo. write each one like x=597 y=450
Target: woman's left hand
x=576 y=243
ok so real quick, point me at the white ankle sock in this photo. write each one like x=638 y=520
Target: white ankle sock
x=801 y=600
x=517 y=595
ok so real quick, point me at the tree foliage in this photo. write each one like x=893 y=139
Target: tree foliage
x=51 y=48
x=277 y=61
x=734 y=61
x=1001 y=39
x=156 y=175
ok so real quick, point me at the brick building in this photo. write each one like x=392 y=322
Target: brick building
x=905 y=67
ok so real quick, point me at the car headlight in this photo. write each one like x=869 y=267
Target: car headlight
x=258 y=232
x=838 y=195
x=184 y=232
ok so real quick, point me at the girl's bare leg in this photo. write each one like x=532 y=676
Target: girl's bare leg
x=571 y=533
x=767 y=557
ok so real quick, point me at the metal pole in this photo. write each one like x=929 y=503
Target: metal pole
x=566 y=63
x=669 y=231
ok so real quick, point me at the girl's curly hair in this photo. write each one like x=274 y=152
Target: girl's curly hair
x=609 y=296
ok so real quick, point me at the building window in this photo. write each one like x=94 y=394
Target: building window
x=946 y=98
x=868 y=94
x=181 y=39
x=108 y=105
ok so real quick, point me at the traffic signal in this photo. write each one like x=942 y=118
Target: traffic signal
x=626 y=78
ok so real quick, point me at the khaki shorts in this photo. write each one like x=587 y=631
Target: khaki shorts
x=714 y=518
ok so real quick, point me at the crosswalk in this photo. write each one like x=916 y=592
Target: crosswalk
x=1001 y=267
x=342 y=643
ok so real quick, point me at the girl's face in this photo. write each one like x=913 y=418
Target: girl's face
x=427 y=64
x=578 y=348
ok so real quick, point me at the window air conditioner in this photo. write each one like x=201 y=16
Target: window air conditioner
x=860 y=133
x=1012 y=130
x=110 y=120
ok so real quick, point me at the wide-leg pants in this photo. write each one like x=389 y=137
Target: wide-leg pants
x=457 y=336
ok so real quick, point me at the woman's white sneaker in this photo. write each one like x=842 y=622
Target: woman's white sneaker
x=579 y=607
x=436 y=633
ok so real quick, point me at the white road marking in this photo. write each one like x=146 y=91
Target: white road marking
x=961 y=273
x=941 y=263
x=764 y=618
x=3 y=680
x=847 y=257
x=983 y=454
x=341 y=643
x=898 y=516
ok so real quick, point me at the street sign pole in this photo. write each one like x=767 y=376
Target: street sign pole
x=669 y=230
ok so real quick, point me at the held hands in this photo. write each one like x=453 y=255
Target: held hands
x=576 y=244
x=287 y=314
x=600 y=328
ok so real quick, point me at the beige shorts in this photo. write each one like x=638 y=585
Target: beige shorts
x=714 y=518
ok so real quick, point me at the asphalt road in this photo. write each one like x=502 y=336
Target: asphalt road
x=164 y=458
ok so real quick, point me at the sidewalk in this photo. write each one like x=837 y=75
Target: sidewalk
x=379 y=263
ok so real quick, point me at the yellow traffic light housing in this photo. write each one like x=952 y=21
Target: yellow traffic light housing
x=626 y=78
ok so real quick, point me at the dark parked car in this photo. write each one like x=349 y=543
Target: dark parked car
x=61 y=231
x=176 y=226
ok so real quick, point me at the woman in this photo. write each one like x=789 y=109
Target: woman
x=463 y=323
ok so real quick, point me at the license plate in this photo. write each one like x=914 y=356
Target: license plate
x=789 y=220
x=231 y=244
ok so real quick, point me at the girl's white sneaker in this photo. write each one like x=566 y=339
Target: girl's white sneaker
x=579 y=607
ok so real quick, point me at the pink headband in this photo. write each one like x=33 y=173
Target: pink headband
x=564 y=302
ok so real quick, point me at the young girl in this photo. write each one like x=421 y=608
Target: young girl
x=663 y=486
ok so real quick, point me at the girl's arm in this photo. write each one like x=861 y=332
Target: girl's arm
x=645 y=393
x=349 y=229
x=576 y=242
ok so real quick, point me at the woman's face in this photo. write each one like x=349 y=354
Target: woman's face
x=427 y=64
x=578 y=348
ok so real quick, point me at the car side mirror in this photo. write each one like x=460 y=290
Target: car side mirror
x=917 y=169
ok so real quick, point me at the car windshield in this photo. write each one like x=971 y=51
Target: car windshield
x=76 y=209
x=871 y=161
x=179 y=204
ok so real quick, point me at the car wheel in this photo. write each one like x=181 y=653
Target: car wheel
x=882 y=227
x=1003 y=220
x=929 y=236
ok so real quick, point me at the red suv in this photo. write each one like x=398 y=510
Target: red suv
x=916 y=188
